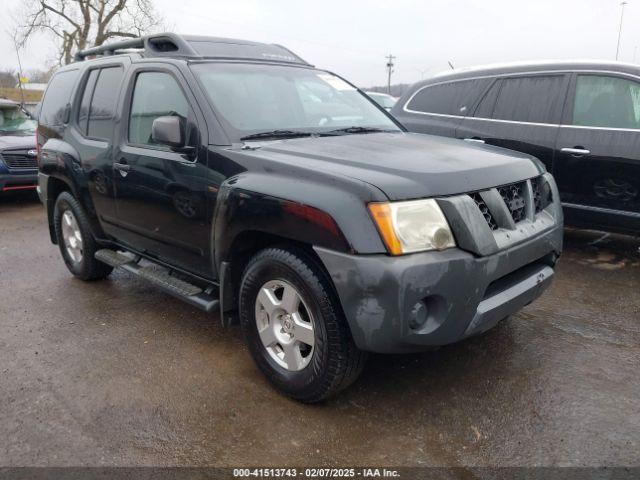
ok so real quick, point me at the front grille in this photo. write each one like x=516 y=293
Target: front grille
x=516 y=197
x=484 y=210
x=20 y=160
x=513 y=196
x=542 y=196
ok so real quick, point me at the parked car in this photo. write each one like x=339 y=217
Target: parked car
x=581 y=119
x=326 y=227
x=384 y=100
x=18 y=156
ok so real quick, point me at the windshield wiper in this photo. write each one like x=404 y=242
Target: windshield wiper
x=277 y=134
x=354 y=129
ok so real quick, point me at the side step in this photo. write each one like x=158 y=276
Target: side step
x=203 y=299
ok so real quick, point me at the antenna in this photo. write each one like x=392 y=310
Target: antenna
x=451 y=65
x=19 y=74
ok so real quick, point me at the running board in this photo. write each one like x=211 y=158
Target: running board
x=161 y=277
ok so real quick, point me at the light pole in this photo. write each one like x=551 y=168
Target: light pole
x=620 y=30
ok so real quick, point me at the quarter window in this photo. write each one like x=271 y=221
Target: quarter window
x=57 y=98
x=156 y=94
x=454 y=98
x=608 y=102
x=530 y=99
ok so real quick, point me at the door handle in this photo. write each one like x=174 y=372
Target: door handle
x=122 y=167
x=576 y=151
x=476 y=140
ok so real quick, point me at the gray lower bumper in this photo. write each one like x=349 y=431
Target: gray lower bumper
x=453 y=293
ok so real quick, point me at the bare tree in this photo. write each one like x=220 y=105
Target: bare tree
x=37 y=75
x=80 y=24
x=8 y=78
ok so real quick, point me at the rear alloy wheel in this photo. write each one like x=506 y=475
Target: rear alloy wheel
x=75 y=239
x=71 y=236
x=294 y=325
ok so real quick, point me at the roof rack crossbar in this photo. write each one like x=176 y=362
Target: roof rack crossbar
x=152 y=44
x=110 y=48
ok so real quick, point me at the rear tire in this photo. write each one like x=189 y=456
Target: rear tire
x=315 y=330
x=76 y=241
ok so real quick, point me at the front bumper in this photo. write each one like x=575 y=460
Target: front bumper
x=455 y=293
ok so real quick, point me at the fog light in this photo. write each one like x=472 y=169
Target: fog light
x=419 y=315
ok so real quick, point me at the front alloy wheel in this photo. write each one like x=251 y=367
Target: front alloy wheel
x=285 y=325
x=294 y=325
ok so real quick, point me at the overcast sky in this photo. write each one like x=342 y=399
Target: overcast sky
x=353 y=37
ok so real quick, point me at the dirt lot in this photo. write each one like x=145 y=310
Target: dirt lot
x=115 y=373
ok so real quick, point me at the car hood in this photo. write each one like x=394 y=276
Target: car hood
x=10 y=142
x=407 y=165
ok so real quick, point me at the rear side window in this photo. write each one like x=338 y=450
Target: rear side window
x=156 y=94
x=609 y=102
x=485 y=107
x=99 y=99
x=57 y=98
x=103 y=104
x=454 y=98
x=530 y=99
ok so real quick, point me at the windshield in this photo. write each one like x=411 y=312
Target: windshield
x=15 y=121
x=266 y=98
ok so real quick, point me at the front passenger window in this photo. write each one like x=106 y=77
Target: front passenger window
x=608 y=102
x=156 y=94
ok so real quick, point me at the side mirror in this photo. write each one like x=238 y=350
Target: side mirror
x=169 y=131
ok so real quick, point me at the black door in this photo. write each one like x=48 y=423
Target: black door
x=438 y=109
x=93 y=133
x=520 y=113
x=160 y=192
x=598 y=153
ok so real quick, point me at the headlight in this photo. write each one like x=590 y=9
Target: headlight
x=412 y=226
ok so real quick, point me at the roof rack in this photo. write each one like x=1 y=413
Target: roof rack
x=196 y=47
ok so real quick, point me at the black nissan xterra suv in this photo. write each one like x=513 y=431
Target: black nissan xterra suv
x=238 y=177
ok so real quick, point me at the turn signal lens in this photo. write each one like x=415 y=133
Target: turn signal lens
x=382 y=217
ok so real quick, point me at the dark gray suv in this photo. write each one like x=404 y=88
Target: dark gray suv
x=581 y=119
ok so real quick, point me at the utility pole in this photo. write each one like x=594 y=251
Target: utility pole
x=390 y=58
x=620 y=30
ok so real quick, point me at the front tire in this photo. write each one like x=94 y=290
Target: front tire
x=76 y=241
x=294 y=326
